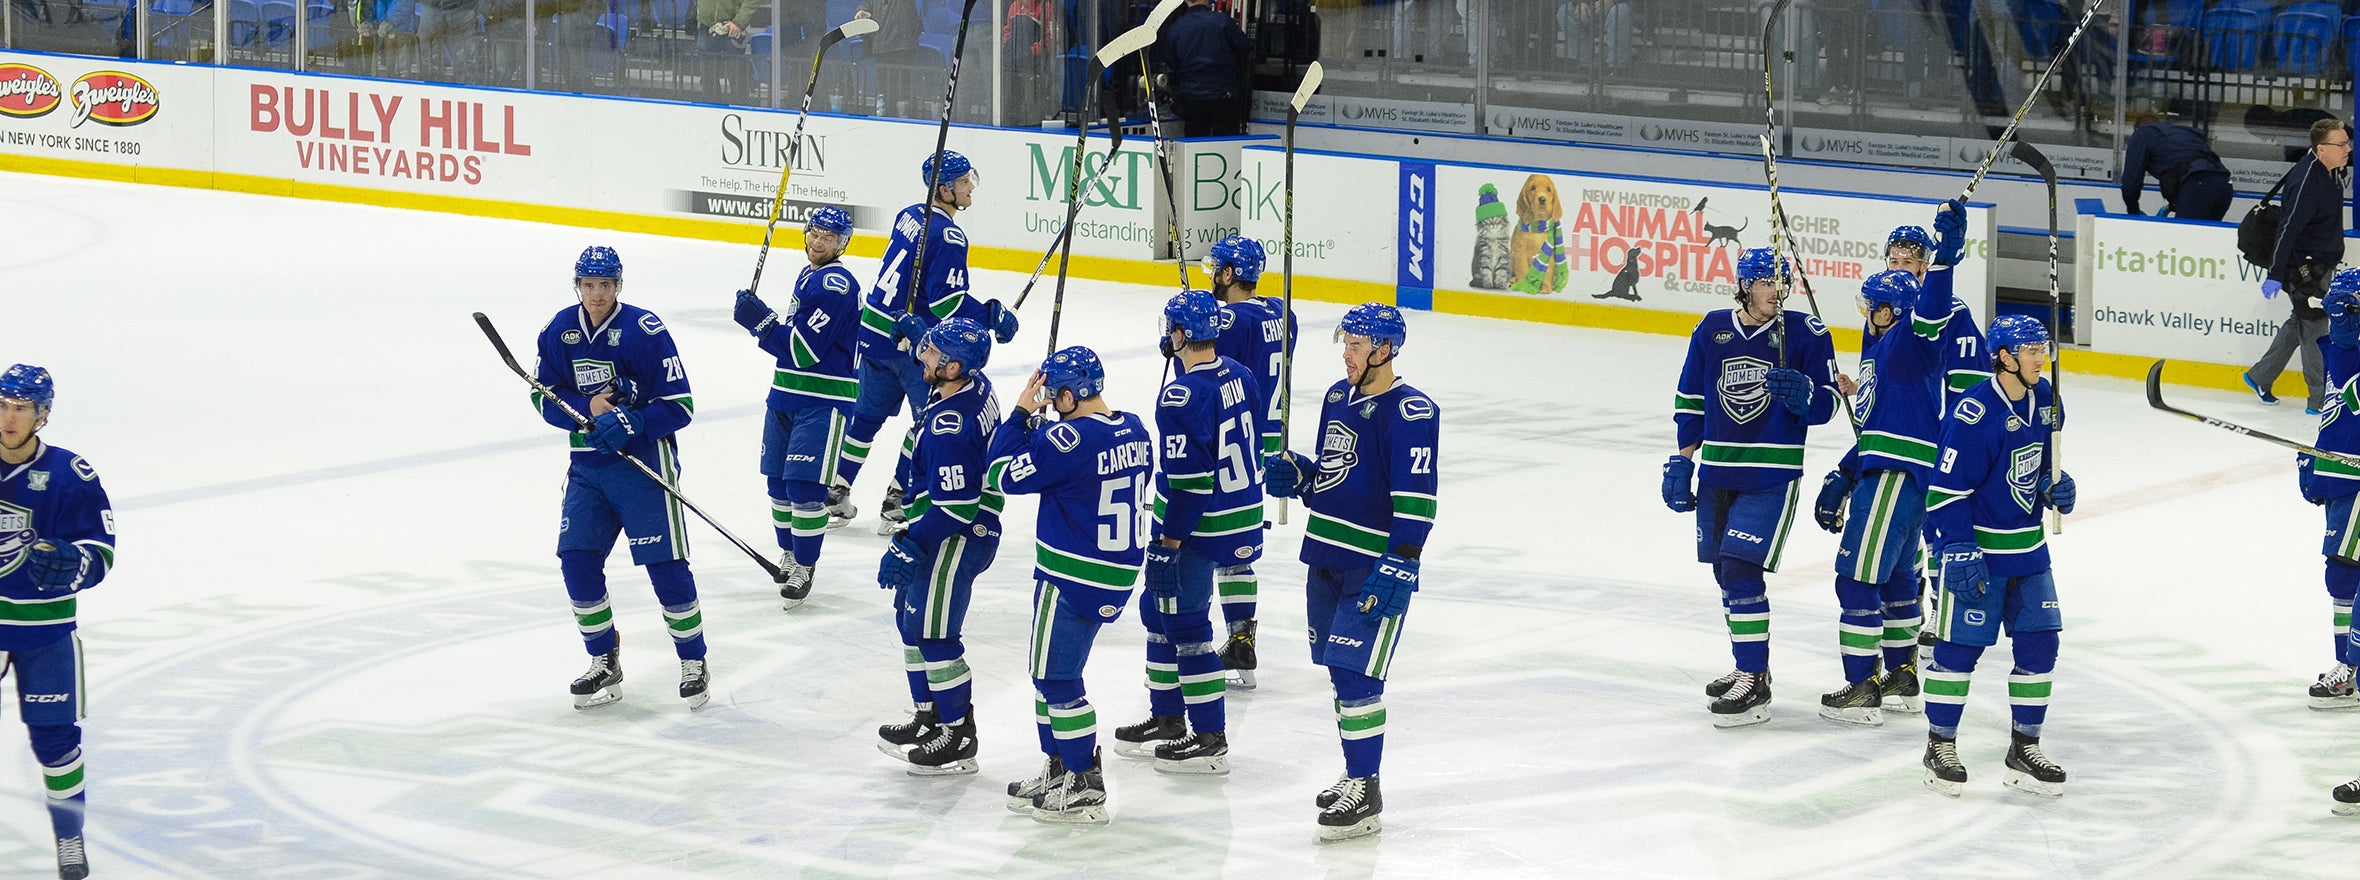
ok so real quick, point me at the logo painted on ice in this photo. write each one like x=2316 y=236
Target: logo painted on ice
x=28 y=92
x=1338 y=452
x=112 y=97
x=1744 y=394
x=2023 y=475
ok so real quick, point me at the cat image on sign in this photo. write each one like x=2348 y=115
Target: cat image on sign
x=1491 y=265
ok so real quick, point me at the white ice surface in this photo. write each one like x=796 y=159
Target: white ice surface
x=336 y=646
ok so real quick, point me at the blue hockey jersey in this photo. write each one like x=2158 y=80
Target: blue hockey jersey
x=943 y=292
x=816 y=347
x=1966 y=362
x=1092 y=474
x=945 y=470
x=1375 y=490
x=1745 y=439
x=2339 y=424
x=1208 y=490
x=630 y=354
x=1899 y=401
x=1255 y=333
x=1986 y=488
x=55 y=497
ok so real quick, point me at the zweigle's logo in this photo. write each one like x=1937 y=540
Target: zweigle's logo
x=27 y=92
x=113 y=98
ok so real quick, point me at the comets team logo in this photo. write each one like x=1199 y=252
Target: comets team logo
x=1866 y=396
x=111 y=97
x=2024 y=476
x=1338 y=452
x=16 y=536
x=1744 y=396
x=28 y=92
x=589 y=375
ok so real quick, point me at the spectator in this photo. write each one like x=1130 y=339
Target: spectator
x=1844 y=47
x=894 y=47
x=1028 y=40
x=2195 y=183
x=722 y=28
x=1206 y=57
x=2310 y=243
x=447 y=39
x=1596 y=30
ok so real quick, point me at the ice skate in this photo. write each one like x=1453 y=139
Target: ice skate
x=1747 y=701
x=1715 y=688
x=1139 y=740
x=1331 y=793
x=896 y=739
x=1354 y=811
x=1076 y=798
x=890 y=516
x=2031 y=772
x=1197 y=754
x=2347 y=799
x=1859 y=703
x=840 y=509
x=602 y=683
x=73 y=860
x=1944 y=774
x=2334 y=689
x=951 y=752
x=1237 y=655
x=1021 y=793
x=696 y=684
x=794 y=580
x=1901 y=689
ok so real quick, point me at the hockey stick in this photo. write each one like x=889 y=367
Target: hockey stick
x=2155 y=399
x=2038 y=86
x=1312 y=77
x=509 y=358
x=1163 y=160
x=778 y=202
x=2030 y=155
x=1770 y=169
x=1129 y=43
x=942 y=140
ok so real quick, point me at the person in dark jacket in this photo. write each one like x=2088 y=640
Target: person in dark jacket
x=895 y=48
x=1207 y=57
x=2195 y=183
x=2310 y=243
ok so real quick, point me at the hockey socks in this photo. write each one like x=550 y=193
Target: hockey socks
x=1745 y=601
x=677 y=590
x=799 y=515
x=1163 y=676
x=1239 y=587
x=2343 y=580
x=1946 y=682
x=855 y=452
x=585 y=584
x=2028 y=682
x=1904 y=617
x=1360 y=720
x=1203 y=685
x=59 y=749
x=1071 y=729
x=1860 y=628
x=913 y=669
x=947 y=677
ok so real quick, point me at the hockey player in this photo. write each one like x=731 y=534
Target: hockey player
x=60 y=540
x=1092 y=469
x=1897 y=402
x=952 y=534
x=891 y=328
x=1966 y=365
x=1255 y=330
x=1756 y=378
x=1208 y=513
x=1371 y=495
x=1986 y=500
x=2331 y=483
x=615 y=363
x=811 y=393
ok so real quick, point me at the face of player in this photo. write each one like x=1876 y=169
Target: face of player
x=598 y=296
x=1761 y=300
x=1359 y=353
x=962 y=192
x=19 y=419
x=822 y=246
x=939 y=372
x=2027 y=361
x=1906 y=258
x=1882 y=318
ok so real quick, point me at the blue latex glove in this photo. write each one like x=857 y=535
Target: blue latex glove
x=1388 y=586
x=1950 y=233
x=56 y=568
x=1678 y=474
x=1963 y=572
x=752 y=313
x=1792 y=388
x=1283 y=473
x=2060 y=494
x=910 y=327
x=1163 y=570
x=2343 y=319
x=2303 y=465
x=2271 y=288
x=613 y=431
x=1833 y=493
x=1002 y=321
x=902 y=564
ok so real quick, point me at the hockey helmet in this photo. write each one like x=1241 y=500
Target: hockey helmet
x=1377 y=321
x=1756 y=264
x=599 y=261
x=1074 y=369
x=1195 y=313
x=1892 y=287
x=1911 y=236
x=954 y=166
x=1241 y=255
x=2009 y=332
x=962 y=340
x=829 y=218
x=30 y=384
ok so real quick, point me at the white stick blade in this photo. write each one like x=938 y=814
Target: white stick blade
x=856 y=27
x=1312 y=77
x=1135 y=39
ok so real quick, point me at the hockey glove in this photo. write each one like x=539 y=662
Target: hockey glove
x=613 y=431
x=1963 y=572
x=1950 y=233
x=1283 y=473
x=2060 y=494
x=1678 y=474
x=2303 y=465
x=1389 y=585
x=56 y=568
x=752 y=313
x=1792 y=388
x=1002 y=321
x=1833 y=493
x=2271 y=288
x=904 y=561
x=910 y=327
x=1163 y=570
x=2343 y=319
x=624 y=394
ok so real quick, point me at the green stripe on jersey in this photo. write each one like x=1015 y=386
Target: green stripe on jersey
x=1897 y=446
x=1229 y=522
x=1773 y=455
x=1352 y=537
x=2022 y=540
x=1685 y=403
x=1097 y=573
x=36 y=611
x=815 y=385
x=1938 y=496
x=1414 y=505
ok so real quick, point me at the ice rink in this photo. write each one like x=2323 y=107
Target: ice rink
x=336 y=645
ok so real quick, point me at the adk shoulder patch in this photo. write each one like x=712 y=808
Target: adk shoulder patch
x=1970 y=411
x=946 y=422
x=1065 y=437
x=651 y=324
x=1723 y=337
x=1416 y=409
x=1174 y=395
x=570 y=337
